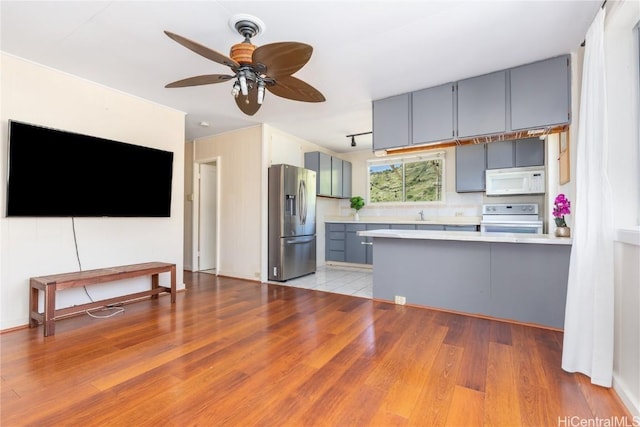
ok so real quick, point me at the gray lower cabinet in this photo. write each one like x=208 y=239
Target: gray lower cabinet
x=335 y=244
x=529 y=282
x=432 y=114
x=391 y=118
x=344 y=245
x=436 y=227
x=515 y=281
x=470 y=167
x=482 y=105
x=402 y=226
x=356 y=250
x=461 y=228
x=541 y=93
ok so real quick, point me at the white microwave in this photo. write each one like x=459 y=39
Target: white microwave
x=512 y=181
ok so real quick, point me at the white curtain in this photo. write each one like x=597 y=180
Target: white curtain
x=588 y=329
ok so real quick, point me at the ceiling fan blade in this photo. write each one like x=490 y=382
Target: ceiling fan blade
x=203 y=50
x=293 y=88
x=249 y=104
x=206 y=79
x=282 y=59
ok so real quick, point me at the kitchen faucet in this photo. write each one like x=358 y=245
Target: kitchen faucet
x=421 y=213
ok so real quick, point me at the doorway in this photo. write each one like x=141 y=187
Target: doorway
x=206 y=253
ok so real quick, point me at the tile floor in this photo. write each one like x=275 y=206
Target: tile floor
x=337 y=279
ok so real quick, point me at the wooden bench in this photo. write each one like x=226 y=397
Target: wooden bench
x=50 y=284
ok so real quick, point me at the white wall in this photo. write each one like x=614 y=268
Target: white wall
x=621 y=51
x=241 y=199
x=39 y=246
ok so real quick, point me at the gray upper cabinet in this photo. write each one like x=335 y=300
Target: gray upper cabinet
x=518 y=153
x=391 y=122
x=529 y=152
x=336 y=177
x=541 y=93
x=321 y=163
x=432 y=114
x=470 y=167
x=482 y=105
x=333 y=175
x=346 y=179
x=500 y=155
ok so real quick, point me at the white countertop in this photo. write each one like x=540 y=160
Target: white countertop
x=468 y=236
x=453 y=220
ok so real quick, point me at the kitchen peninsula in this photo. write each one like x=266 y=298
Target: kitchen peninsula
x=518 y=277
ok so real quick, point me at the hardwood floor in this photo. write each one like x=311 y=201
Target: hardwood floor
x=238 y=353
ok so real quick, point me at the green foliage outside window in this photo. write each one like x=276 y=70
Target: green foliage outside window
x=406 y=181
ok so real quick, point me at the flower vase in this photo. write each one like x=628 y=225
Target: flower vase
x=563 y=232
x=356 y=216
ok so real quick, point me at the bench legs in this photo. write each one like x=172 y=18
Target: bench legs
x=49 y=310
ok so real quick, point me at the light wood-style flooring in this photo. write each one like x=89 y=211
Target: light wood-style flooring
x=237 y=353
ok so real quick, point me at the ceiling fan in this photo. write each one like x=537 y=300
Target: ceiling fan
x=254 y=68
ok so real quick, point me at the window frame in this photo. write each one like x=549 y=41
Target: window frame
x=388 y=160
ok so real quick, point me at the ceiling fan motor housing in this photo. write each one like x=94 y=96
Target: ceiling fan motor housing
x=242 y=53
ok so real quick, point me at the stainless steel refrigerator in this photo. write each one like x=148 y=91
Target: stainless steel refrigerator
x=292 y=222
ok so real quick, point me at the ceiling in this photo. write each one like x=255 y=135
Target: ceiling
x=363 y=50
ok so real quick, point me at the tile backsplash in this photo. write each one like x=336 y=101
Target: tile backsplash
x=455 y=204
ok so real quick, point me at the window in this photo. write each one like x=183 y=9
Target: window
x=407 y=180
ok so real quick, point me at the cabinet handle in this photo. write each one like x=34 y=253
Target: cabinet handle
x=367 y=243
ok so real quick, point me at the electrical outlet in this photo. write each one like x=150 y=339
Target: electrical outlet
x=400 y=300
x=459 y=213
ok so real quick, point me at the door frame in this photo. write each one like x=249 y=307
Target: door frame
x=195 y=220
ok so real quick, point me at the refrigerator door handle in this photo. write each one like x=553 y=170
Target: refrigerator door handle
x=302 y=207
x=300 y=240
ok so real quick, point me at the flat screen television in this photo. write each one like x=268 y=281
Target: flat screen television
x=55 y=173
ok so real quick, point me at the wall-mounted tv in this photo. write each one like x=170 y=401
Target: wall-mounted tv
x=54 y=173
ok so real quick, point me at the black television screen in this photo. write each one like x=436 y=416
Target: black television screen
x=54 y=173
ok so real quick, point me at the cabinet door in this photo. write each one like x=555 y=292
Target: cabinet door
x=432 y=114
x=541 y=93
x=336 y=177
x=391 y=122
x=470 y=167
x=321 y=164
x=356 y=252
x=500 y=154
x=335 y=242
x=482 y=105
x=369 y=241
x=461 y=228
x=346 y=179
x=437 y=227
x=402 y=226
x=529 y=152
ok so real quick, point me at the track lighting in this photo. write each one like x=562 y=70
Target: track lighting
x=353 y=137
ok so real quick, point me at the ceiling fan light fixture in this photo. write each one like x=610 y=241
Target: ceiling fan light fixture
x=243 y=83
x=260 y=91
x=235 y=90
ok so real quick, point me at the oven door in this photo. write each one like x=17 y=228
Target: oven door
x=530 y=227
